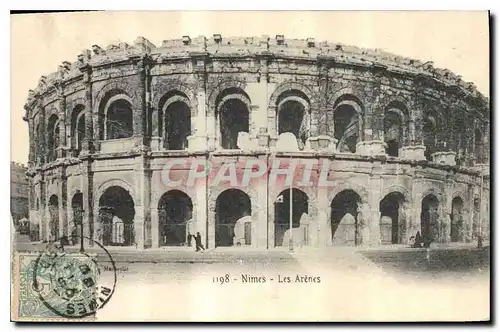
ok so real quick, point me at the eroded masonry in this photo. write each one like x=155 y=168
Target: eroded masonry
x=408 y=145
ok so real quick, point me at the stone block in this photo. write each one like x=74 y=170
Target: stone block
x=370 y=148
x=414 y=152
x=197 y=143
x=444 y=158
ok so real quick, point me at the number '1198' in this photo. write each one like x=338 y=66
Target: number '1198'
x=221 y=280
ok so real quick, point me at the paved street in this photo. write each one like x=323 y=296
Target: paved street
x=333 y=284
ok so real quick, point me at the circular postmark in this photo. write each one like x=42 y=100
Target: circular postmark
x=73 y=284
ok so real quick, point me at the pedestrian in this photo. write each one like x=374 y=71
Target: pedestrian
x=190 y=237
x=198 y=242
x=418 y=240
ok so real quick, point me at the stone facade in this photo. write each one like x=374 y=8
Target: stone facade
x=18 y=192
x=407 y=144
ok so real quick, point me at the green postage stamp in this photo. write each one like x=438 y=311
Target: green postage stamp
x=57 y=285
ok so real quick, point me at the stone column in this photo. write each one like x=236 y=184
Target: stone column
x=62 y=148
x=61 y=193
x=375 y=196
x=155 y=240
x=42 y=210
x=446 y=224
x=88 y=204
x=322 y=133
x=42 y=151
x=260 y=215
x=198 y=139
x=414 y=225
x=201 y=206
x=88 y=145
x=69 y=217
x=139 y=109
x=32 y=138
x=259 y=95
x=416 y=149
x=324 y=228
x=142 y=200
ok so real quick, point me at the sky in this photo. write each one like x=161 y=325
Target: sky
x=458 y=41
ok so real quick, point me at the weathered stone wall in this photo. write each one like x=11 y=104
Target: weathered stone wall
x=263 y=73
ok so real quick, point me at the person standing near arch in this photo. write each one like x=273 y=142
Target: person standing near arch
x=199 y=245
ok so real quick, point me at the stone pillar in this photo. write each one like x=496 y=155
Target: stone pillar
x=416 y=149
x=88 y=204
x=201 y=206
x=445 y=223
x=414 y=225
x=271 y=209
x=322 y=132
x=89 y=139
x=259 y=96
x=375 y=196
x=156 y=140
x=155 y=239
x=42 y=210
x=142 y=202
x=42 y=150
x=61 y=193
x=32 y=138
x=324 y=229
x=260 y=215
x=62 y=148
x=69 y=217
x=198 y=139
x=200 y=123
x=47 y=221
x=406 y=211
x=139 y=109
x=262 y=102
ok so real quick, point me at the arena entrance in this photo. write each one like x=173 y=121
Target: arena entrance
x=54 y=218
x=175 y=214
x=391 y=225
x=233 y=223
x=116 y=215
x=77 y=208
x=429 y=218
x=300 y=206
x=344 y=218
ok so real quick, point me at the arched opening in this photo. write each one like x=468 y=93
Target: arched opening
x=77 y=207
x=119 y=120
x=429 y=132
x=429 y=219
x=457 y=220
x=54 y=217
x=177 y=126
x=344 y=218
x=175 y=218
x=300 y=211
x=116 y=215
x=233 y=223
x=233 y=118
x=391 y=223
x=52 y=137
x=293 y=116
x=347 y=123
x=78 y=128
x=393 y=131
